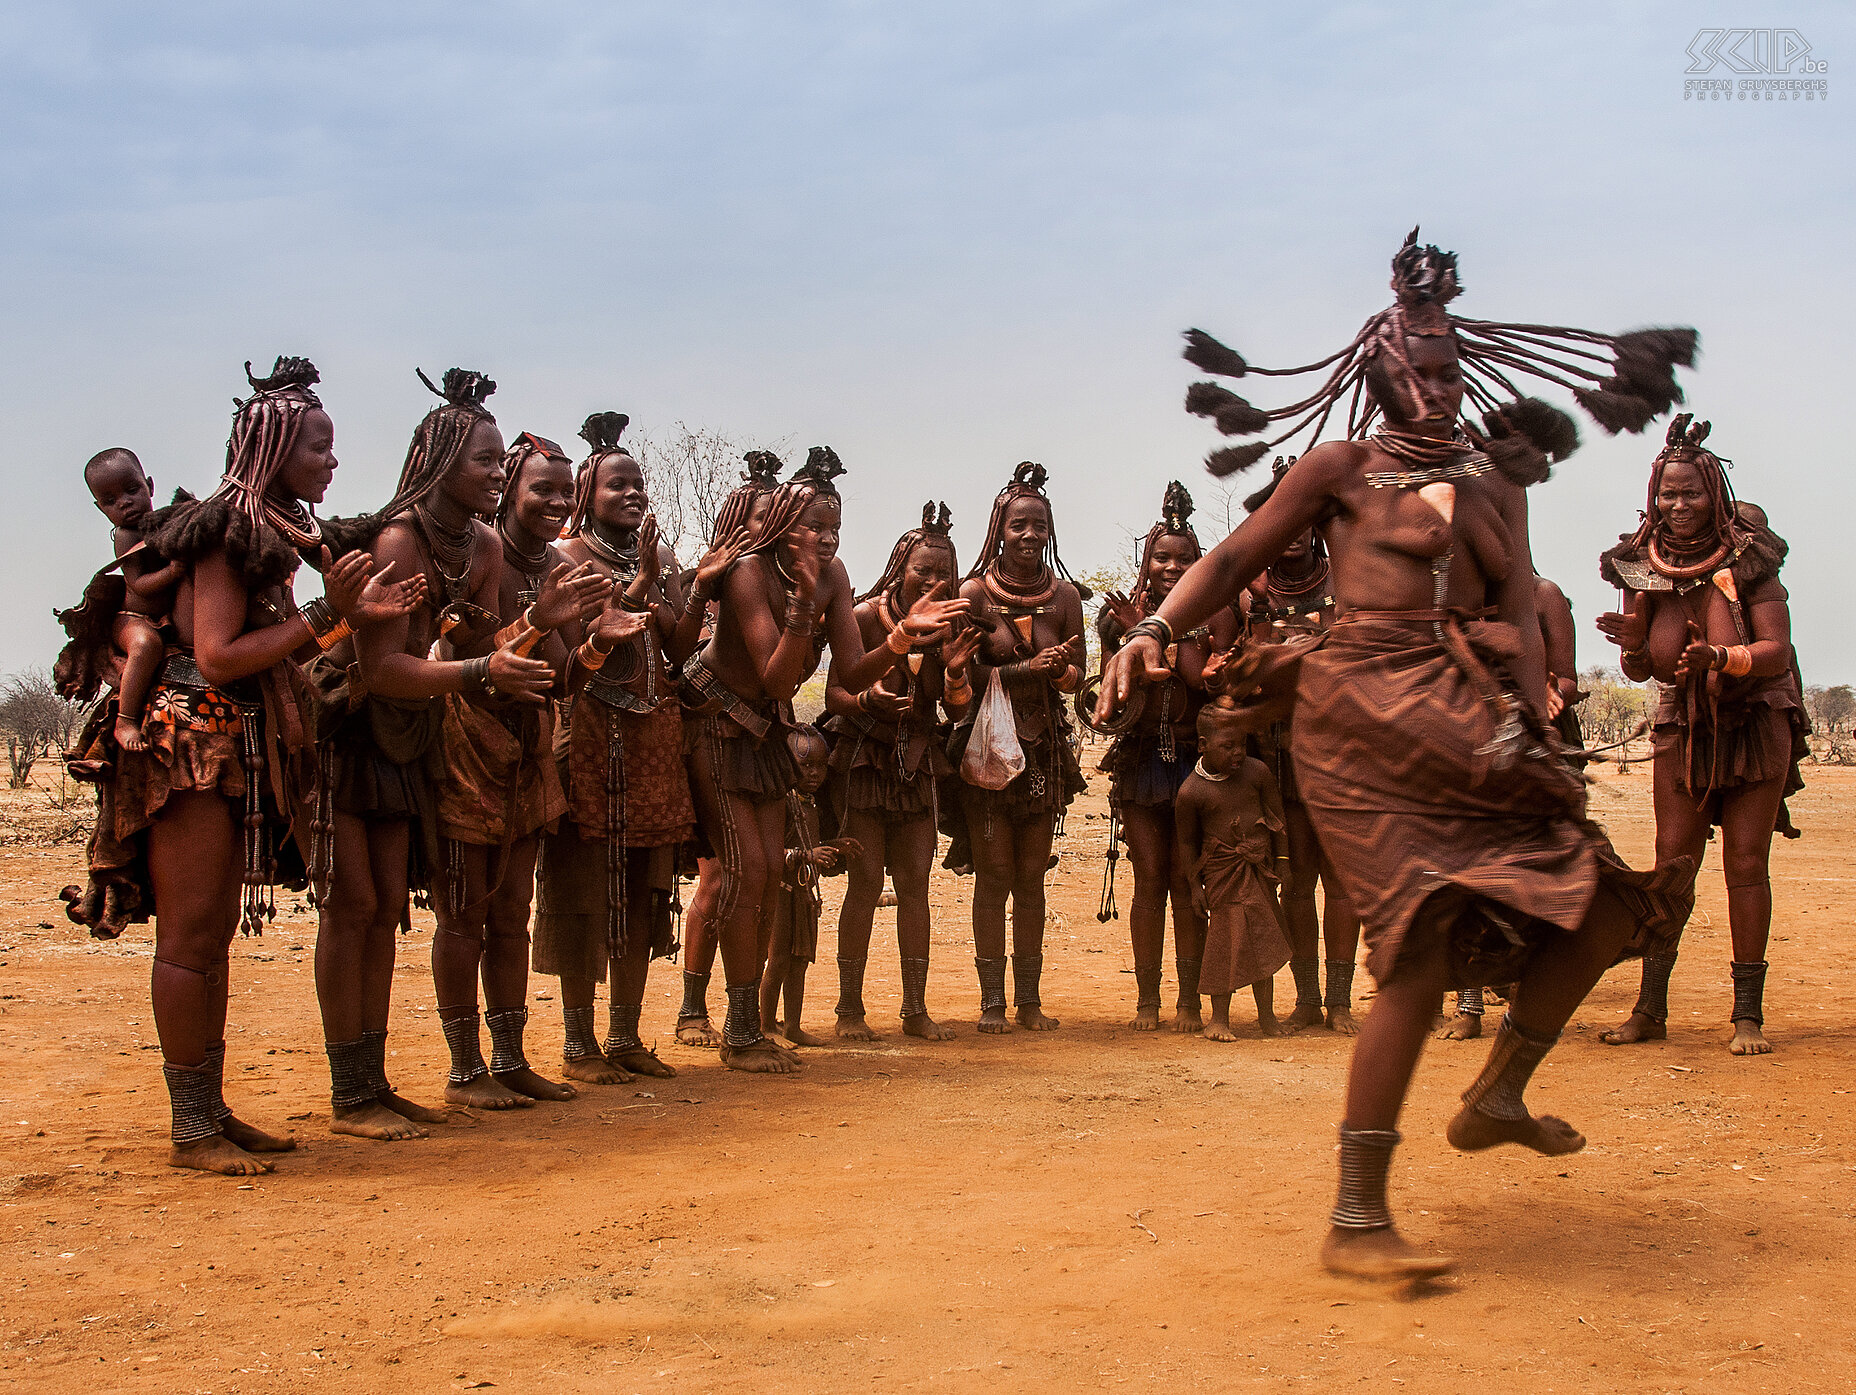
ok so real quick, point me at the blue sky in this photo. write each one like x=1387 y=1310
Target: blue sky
x=942 y=238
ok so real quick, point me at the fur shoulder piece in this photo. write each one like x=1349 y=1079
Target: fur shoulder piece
x=199 y=528
x=344 y=535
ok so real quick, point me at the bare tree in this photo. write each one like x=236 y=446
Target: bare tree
x=35 y=721
x=689 y=471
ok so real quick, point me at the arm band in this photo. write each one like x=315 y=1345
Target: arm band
x=898 y=634
x=1155 y=627
x=1739 y=661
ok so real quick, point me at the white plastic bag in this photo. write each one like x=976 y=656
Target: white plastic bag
x=993 y=757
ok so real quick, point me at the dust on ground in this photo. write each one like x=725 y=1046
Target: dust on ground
x=1091 y=1207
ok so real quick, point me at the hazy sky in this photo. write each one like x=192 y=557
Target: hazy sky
x=940 y=237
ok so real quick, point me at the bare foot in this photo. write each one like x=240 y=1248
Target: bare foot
x=129 y=737
x=596 y=1070
x=1146 y=1019
x=764 y=1057
x=536 y=1087
x=406 y=1109
x=1749 y=1039
x=993 y=1023
x=855 y=1029
x=1031 y=1017
x=799 y=1036
x=1273 y=1026
x=1378 y=1254
x=374 y=1120
x=1308 y=1016
x=1340 y=1020
x=1635 y=1028
x=642 y=1060
x=696 y=1031
x=486 y=1092
x=217 y=1154
x=1472 y=1131
x=254 y=1140
x=1465 y=1026
x=1188 y=1020
x=923 y=1026
x=1219 y=1031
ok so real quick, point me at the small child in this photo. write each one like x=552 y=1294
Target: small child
x=794 y=942
x=126 y=497
x=1229 y=834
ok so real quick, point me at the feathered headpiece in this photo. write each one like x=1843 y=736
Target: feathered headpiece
x=935 y=530
x=1622 y=381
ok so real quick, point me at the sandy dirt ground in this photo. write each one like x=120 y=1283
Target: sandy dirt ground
x=1091 y=1208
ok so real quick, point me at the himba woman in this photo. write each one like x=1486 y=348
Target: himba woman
x=498 y=789
x=1421 y=750
x=786 y=597
x=380 y=724
x=1295 y=596
x=744 y=508
x=1031 y=616
x=608 y=873
x=1148 y=763
x=1707 y=617
x=227 y=752
x=889 y=752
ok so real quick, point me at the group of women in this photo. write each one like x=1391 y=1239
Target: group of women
x=509 y=682
x=508 y=687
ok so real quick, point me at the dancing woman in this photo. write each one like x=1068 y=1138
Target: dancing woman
x=1708 y=619
x=1421 y=750
x=887 y=758
x=1147 y=764
x=1031 y=616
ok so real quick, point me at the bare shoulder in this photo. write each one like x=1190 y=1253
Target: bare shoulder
x=666 y=556
x=1258 y=773
x=1767 y=591
x=1328 y=465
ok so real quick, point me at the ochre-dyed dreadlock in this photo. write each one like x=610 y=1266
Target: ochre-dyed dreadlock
x=1524 y=435
x=783 y=510
x=527 y=446
x=762 y=476
x=264 y=431
x=1027 y=483
x=601 y=432
x=810 y=481
x=440 y=438
x=935 y=532
x=1175 y=513
x=263 y=537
